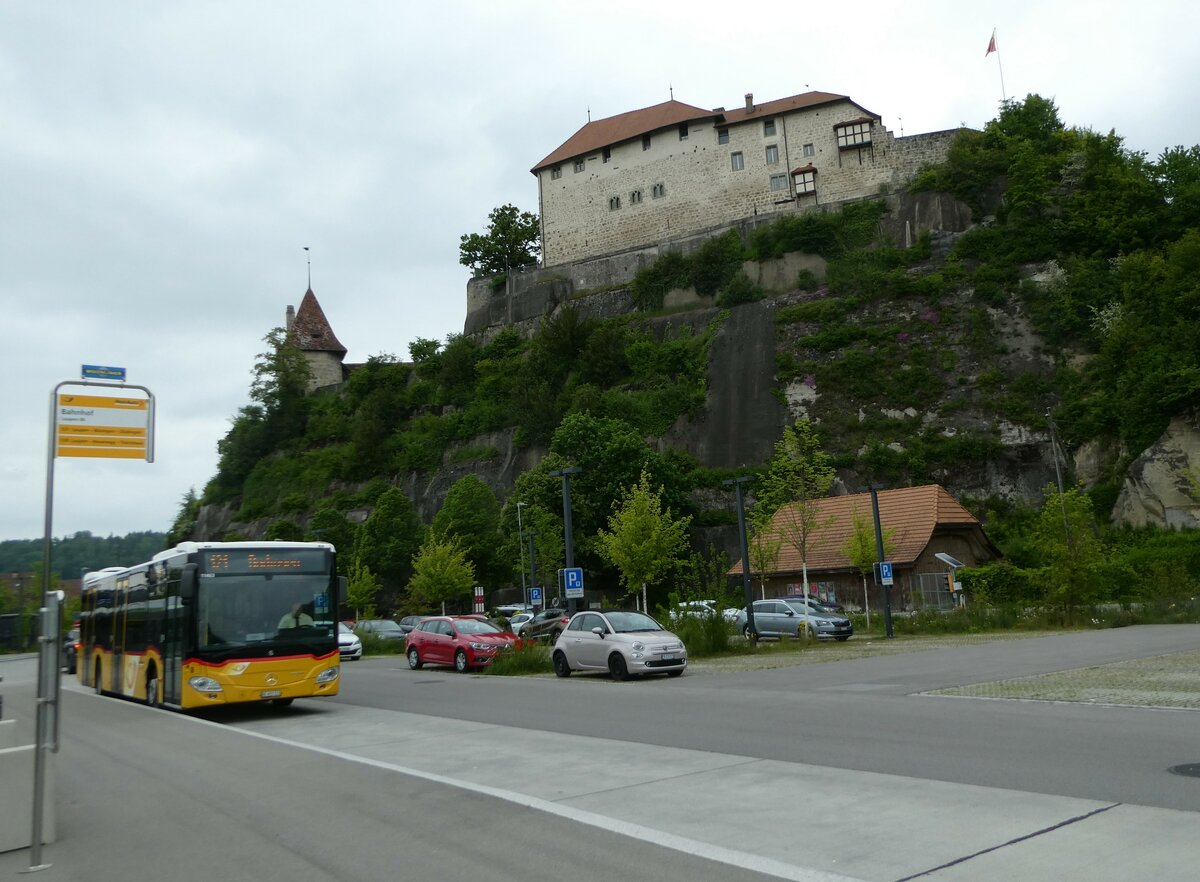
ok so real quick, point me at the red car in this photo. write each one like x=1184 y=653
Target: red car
x=463 y=641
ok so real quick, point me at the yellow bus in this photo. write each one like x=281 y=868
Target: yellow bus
x=214 y=623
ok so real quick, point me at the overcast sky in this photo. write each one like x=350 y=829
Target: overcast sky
x=163 y=165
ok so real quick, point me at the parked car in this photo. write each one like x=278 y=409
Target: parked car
x=463 y=641
x=779 y=618
x=826 y=605
x=384 y=629
x=511 y=609
x=622 y=642
x=546 y=625
x=518 y=621
x=705 y=607
x=70 y=650
x=349 y=646
x=407 y=623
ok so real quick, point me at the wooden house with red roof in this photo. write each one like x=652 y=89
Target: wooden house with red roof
x=673 y=170
x=308 y=328
x=921 y=522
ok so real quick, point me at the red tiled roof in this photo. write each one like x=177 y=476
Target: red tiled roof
x=623 y=127
x=913 y=512
x=310 y=329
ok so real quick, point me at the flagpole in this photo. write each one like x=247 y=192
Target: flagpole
x=993 y=47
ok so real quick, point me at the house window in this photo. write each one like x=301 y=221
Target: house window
x=578 y=166
x=614 y=203
x=683 y=131
x=806 y=182
x=658 y=190
x=556 y=173
x=607 y=154
x=768 y=128
x=772 y=154
x=737 y=161
x=645 y=142
x=855 y=134
x=778 y=182
x=635 y=197
x=722 y=136
x=809 y=150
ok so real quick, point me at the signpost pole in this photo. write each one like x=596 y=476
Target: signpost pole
x=887 y=600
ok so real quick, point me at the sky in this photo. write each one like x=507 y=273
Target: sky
x=164 y=165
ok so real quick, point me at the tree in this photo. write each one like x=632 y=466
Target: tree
x=389 y=538
x=765 y=545
x=185 y=522
x=441 y=572
x=643 y=541
x=1072 y=555
x=471 y=514
x=362 y=590
x=798 y=476
x=512 y=239
x=285 y=531
x=860 y=548
x=330 y=525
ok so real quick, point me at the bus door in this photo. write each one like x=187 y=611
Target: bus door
x=172 y=639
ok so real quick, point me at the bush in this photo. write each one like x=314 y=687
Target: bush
x=526 y=658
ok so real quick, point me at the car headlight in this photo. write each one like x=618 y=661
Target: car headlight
x=638 y=646
x=205 y=684
x=328 y=675
x=481 y=647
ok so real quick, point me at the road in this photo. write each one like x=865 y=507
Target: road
x=819 y=772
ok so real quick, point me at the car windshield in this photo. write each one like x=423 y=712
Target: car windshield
x=384 y=627
x=474 y=626
x=814 y=608
x=627 y=622
x=343 y=628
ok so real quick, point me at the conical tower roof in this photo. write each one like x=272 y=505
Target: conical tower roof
x=310 y=330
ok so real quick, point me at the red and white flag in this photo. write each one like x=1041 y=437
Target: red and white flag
x=991 y=45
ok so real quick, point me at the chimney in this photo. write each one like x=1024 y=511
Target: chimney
x=749 y=102
x=291 y=318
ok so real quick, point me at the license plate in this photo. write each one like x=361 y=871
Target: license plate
x=668 y=655
x=272 y=693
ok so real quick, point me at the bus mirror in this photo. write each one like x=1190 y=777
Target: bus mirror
x=187 y=583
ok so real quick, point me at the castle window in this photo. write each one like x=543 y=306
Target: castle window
x=614 y=203
x=645 y=142
x=578 y=166
x=737 y=161
x=805 y=180
x=683 y=131
x=778 y=182
x=772 y=154
x=768 y=128
x=722 y=136
x=658 y=190
x=635 y=197
x=809 y=150
x=556 y=173
x=856 y=133
x=607 y=154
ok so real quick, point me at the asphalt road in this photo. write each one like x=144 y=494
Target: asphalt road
x=868 y=714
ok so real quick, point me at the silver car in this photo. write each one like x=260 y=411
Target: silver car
x=786 y=616
x=622 y=642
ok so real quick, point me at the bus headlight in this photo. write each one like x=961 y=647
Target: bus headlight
x=328 y=675
x=204 y=684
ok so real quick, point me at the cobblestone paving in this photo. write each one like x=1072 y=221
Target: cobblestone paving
x=1167 y=681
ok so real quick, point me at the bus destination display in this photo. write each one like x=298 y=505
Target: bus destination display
x=238 y=562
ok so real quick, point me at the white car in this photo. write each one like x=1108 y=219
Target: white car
x=349 y=646
x=622 y=642
x=516 y=622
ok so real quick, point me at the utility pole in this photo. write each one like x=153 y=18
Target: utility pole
x=565 y=474
x=747 y=589
x=887 y=599
x=521 y=547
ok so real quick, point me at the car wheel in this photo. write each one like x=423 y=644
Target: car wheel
x=414 y=659
x=843 y=639
x=562 y=667
x=460 y=662
x=617 y=667
x=746 y=632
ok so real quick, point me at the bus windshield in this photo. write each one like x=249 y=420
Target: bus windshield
x=238 y=610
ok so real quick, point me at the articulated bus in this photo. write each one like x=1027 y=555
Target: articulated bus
x=214 y=623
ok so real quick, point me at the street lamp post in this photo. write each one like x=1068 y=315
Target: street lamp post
x=747 y=590
x=521 y=546
x=887 y=599
x=567 y=529
x=533 y=567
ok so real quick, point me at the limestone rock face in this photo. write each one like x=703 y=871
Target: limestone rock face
x=1158 y=489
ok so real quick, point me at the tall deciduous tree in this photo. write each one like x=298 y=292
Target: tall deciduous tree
x=643 y=540
x=1073 y=557
x=512 y=239
x=471 y=514
x=860 y=548
x=799 y=475
x=362 y=590
x=388 y=540
x=441 y=572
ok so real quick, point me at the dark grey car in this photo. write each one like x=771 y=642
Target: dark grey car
x=786 y=617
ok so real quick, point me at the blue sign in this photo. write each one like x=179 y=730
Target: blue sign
x=99 y=372
x=885 y=573
x=535 y=595
x=573 y=580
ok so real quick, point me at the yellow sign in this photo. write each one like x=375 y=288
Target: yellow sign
x=102 y=426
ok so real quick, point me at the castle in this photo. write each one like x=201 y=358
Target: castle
x=309 y=330
x=673 y=170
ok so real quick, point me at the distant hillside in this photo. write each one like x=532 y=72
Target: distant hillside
x=70 y=555
x=1073 y=297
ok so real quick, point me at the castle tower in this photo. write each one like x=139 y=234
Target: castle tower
x=308 y=328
